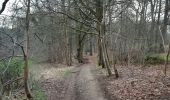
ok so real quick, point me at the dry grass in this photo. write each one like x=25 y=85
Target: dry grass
x=49 y=71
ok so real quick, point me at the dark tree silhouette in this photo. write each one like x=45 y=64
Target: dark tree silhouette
x=3 y=6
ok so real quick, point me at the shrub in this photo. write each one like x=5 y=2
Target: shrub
x=13 y=71
x=156 y=58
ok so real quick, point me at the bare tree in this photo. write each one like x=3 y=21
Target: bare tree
x=26 y=71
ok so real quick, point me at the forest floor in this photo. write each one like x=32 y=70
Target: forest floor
x=90 y=82
x=136 y=83
x=69 y=83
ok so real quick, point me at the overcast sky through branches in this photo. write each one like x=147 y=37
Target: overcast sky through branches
x=7 y=9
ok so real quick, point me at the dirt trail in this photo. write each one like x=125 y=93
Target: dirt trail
x=87 y=87
x=80 y=84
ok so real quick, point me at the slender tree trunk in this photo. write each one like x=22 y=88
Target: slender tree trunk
x=1 y=91
x=91 y=46
x=159 y=12
x=159 y=49
x=115 y=69
x=164 y=29
x=106 y=58
x=66 y=45
x=166 y=62
x=114 y=57
x=26 y=71
x=70 y=51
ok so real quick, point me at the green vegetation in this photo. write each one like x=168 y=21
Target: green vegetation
x=15 y=67
x=12 y=70
x=37 y=91
x=156 y=58
x=67 y=72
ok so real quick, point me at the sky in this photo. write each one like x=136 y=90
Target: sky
x=9 y=4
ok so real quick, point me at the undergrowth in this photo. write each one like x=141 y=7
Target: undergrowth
x=37 y=91
x=156 y=58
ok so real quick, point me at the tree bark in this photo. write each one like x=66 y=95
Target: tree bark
x=26 y=71
x=1 y=10
x=100 y=16
x=166 y=62
x=66 y=36
x=91 y=46
x=164 y=29
x=80 y=48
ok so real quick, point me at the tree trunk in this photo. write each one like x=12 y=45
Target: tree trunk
x=100 y=26
x=164 y=29
x=99 y=17
x=26 y=71
x=105 y=57
x=166 y=62
x=115 y=69
x=70 y=51
x=110 y=32
x=66 y=38
x=159 y=12
x=100 y=55
x=91 y=46
x=80 y=49
x=80 y=55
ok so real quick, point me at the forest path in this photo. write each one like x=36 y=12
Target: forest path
x=87 y=87
x=80 y=84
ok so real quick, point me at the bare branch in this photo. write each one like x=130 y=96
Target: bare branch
x=3 y=6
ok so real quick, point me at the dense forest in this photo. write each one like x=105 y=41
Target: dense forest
x=84 y=49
